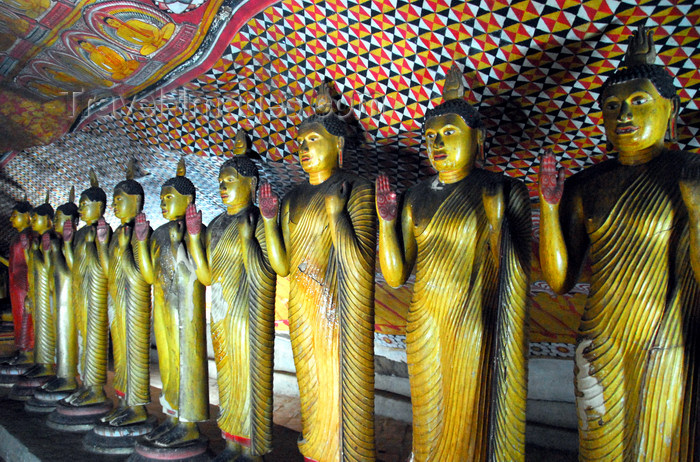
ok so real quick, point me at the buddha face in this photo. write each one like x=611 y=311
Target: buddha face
x=59 y=220
x=41 y=223
x=173 y=204
x=452 y=144
x=235 y=189
x=319 y=150
x=20 y=221
x=126 y=206
x=90 y=211
x=635 y=115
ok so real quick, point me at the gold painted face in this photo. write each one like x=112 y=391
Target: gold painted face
x=90 y=211
x=59 y=221
x=452 y=144
x=173 y=204
x=635 y=115
x=126 y=206
x=41 y=223
x=319 y=150
x=235 y=189
x=20 y=221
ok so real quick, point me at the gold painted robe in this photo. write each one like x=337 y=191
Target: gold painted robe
x=179 y=324
x=66 y=331
x=636 y=371
x=242 y=331
x=44 y=316
x=331 y=319
x=466 y=334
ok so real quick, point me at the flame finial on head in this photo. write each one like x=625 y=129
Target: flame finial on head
x=131 y=169
x=640 y=48
x=454 y=84
x=71 y=195
x=323 y=102
x=48 y=196
x=181 y=167
x=93 y=179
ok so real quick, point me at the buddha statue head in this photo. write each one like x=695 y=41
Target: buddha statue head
x=42 y=217
x=21 y=216
x=128 y=197
x=93 y=201
x=238 y=183
x=322 y=138
x=454 y=132
x=65 y=212
x=176 y=194
x=639 y=101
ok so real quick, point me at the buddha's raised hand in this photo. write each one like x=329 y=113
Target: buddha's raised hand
x=387 y=204
x=269 y=204
x=551 y=179
x=102 y=230
x=141 y=226
x=68 y=231
x=193 y=219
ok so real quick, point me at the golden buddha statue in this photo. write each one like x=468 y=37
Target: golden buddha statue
x=109 y=60
x=467 y=231
x=325 y=242
x=130 y=316
x=61 y=288
x=178 y=316
x=149 y=37
x=233 y=261
x=637 y=217
x=89 y=287
x=20 y=219
x=41 y=275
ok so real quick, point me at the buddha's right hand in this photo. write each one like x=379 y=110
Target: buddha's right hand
x=68 y=231
x=24 y=241
x=193 y=220
x=269 y=204
x=141 y=227
x=551 y=179
x=46 y=241
x=102 y=230
x=387 y=204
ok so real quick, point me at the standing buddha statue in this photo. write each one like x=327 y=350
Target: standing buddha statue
x=61 y=289
x=233 y=261
x=325 y=243
x=637 y=217
x=89 y=297
x=178 y=316
x=467 y=231
x=130 y=315
x=20 y=218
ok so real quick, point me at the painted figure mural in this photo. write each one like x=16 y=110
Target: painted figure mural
x=637 y=217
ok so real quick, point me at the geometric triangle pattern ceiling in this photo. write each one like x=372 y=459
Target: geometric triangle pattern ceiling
x=533 y=68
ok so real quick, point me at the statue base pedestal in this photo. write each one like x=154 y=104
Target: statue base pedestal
x=11 y=373
x=193 y=451
x=45 y=401
x=69 y=418
x=26 y=386
x=109 y=439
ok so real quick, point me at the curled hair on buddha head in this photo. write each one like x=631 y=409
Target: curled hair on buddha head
x=243 y=165
x=23 y=206
x=130 y=186
x=325 y=116
x=45 y=209
x=639 y=64
x=94 y=192
x=454 y=103
x=69 y=209
x=181 y=184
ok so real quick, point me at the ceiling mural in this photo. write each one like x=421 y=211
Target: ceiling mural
x=532 y=68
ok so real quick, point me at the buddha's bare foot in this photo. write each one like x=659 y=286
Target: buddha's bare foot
x=231 y=453
x=130 y=415
x=60 y=384
x=95 y=395
x=21 y=357
x=116 y=412
x=167 y=425
x=181 y=433
x=248 y=457
x=39 y=370
x=76 y=395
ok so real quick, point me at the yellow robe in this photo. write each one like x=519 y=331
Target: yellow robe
x=466 y=334
x=242 y=330
x=331 y=320
x=636 y=359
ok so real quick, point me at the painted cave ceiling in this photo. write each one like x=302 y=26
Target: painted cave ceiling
x=94 y=83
